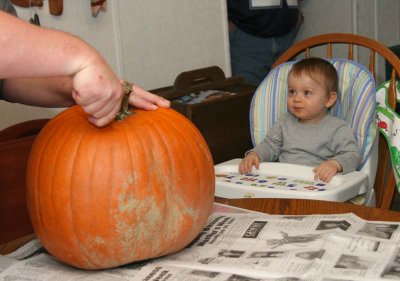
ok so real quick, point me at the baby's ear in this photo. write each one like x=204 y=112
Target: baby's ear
x=332 y=97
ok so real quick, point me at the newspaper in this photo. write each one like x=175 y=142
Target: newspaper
x=238 y=244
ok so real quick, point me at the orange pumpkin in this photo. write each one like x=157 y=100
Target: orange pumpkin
x=136 y=189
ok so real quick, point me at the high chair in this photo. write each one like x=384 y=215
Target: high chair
x=374 y=180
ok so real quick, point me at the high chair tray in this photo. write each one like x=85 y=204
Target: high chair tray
x=281 y=180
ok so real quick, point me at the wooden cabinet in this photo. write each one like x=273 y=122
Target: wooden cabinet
x=218 y=106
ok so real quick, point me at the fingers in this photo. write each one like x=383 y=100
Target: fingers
x=141 y=103
x=103 y=121
x=142 y=99
x=101 y=109
x=101 y=98
x=246 y=165
x=99 y=92
x=105 y=115
x=327 y=170
x=324 y=175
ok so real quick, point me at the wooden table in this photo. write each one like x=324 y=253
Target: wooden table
x=275 y=207
x=310 y=207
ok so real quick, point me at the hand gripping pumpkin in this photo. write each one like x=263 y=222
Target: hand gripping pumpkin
x=136 y=189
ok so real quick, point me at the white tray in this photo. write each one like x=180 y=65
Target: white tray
x=281 y=180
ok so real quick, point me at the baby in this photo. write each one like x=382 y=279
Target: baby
x=307 y=134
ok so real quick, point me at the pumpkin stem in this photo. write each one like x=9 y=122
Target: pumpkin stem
x=125 y=109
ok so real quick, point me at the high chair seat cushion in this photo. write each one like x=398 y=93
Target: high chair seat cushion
x=355 y=104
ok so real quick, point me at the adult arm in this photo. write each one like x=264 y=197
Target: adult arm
x=78 y=74
x=57 y=92
x=31 y=51
x=43 y=91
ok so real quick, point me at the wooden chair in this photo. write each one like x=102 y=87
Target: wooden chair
x=384 y=185
x=15 y=145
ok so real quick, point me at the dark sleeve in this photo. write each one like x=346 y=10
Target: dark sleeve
x=1 y=90
x=7 y=6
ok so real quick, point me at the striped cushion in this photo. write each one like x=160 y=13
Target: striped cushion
x=356 y=102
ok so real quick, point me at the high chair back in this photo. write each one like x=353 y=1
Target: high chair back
x=356 y=102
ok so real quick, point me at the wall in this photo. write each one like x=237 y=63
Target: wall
x=148 y=42
x=376 y=19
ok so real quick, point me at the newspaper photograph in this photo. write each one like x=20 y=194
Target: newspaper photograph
x=237 y=244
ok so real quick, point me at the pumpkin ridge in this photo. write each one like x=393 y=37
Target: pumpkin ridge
x=153 y=132
x=159 y=123
x=69 y=210
x=49 y=132
x=33 y=194
x=71 y=216
x=99 y=247
x=179 y=201
x=112 y=230
x=200 y=145
x=90 y=189
x=39 y=188
x=192 y=151
x=84 y=131
x=134 y=137
x=158 y=128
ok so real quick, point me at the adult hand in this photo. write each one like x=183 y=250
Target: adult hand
x=327 y=170
x=103 y=103
x=98 y=91
x=248 y=162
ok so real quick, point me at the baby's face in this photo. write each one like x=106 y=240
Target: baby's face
x=307 y=99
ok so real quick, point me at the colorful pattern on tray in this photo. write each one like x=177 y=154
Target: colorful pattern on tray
x=270 y=181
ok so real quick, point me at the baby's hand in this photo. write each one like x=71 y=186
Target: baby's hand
x=327 y=170
x=248 y=162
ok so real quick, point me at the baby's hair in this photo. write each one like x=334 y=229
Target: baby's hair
x=317 y=66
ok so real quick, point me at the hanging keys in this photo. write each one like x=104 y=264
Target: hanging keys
x=35 y=19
